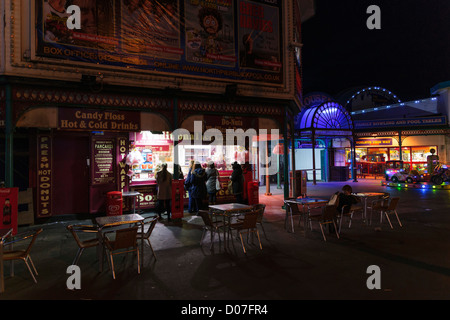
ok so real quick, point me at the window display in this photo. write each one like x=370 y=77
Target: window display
x=147 y=152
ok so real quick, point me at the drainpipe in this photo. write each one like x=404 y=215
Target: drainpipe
x=9 y=155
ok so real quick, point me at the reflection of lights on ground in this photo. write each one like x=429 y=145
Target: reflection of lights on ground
x=422 y=186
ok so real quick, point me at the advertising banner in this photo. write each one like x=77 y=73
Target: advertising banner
x=229 y=39
x=8 y=208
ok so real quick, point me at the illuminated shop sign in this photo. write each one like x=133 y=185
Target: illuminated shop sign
x=374 y=142
x=431 y=121
x=90 y=120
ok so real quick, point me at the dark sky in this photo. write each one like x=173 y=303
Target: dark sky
x=408 y=56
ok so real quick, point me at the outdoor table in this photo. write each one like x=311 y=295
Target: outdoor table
x=364 y=196
x=4 y=233
x=115 y=221
x=228 y=210
x=134 y=195
x=306 y=204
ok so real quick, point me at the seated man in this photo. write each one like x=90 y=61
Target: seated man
x=346 y=199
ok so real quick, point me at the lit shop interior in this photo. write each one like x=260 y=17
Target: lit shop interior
x=372 y=160
x=148 y=150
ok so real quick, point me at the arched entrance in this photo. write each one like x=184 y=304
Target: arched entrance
x=326 y=122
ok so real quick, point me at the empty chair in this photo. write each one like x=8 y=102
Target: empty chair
x=248 y=225
x=260 y=208
x=75 y=230
x=124 y=240
x=327 y=216
x=23 y=254
x=211 y=226
x=388 y=207
x=378 y=204
x=291 y=211
x=149 y=225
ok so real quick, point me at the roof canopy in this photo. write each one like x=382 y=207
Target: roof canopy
x=327 y=119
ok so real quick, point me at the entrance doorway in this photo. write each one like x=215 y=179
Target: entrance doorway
x=70 y=173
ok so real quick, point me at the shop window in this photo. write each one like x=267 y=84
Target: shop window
x=406 y=154
x=377 y=154
x=394 y=154
x=420 y=154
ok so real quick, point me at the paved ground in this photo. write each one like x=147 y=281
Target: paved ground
x=413 y=260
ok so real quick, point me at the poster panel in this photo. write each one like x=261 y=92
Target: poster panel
x=9 y=208
x=210 y=32
x=188 y=37
x=259 y=34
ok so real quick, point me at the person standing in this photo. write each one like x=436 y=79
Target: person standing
x=212 y=174
x=164 y=181
x=237 y=179
x=188 y=188
x=197 y=181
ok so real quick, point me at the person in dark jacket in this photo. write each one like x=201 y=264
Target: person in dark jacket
x=237 y=179
x=197 y=180
x=212 y=175
x=188 y=187
x=346 y=199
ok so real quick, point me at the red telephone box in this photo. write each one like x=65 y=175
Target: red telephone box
x=178 y=199
x=8 y=208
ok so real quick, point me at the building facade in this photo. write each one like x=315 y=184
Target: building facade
x=91 y=110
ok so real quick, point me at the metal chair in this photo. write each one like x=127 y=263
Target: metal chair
x=327 y=216
x=149 y=224
x=83 y=244
x=124 y=240
x=248 y=225
x=23 y=254
x=260 y=208
x=378 y=204
x=388 y=208
x=291 y=211
x=211 y=226
x=349 y=211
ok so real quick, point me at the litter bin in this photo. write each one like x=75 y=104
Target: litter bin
x=114 y=203
x=253 y=192
x=177 y=198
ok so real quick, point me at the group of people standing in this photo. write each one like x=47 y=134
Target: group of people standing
x=199 y=183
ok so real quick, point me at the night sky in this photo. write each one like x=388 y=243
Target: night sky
x=408 y=56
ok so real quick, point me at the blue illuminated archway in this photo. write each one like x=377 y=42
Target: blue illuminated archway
x=329 y=118
x=326 y=121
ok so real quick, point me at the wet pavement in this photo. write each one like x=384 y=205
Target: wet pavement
x=413 y=260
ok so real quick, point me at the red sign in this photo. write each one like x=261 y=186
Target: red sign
x=177 y=198
x=8 y=208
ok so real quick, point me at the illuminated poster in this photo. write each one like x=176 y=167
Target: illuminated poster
x=151 y=28
x=259 y=45
x=210 y=32
x=225 y=39
x=97 y=19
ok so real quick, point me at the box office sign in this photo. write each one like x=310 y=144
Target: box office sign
x=93 y=120
x=44 y=176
